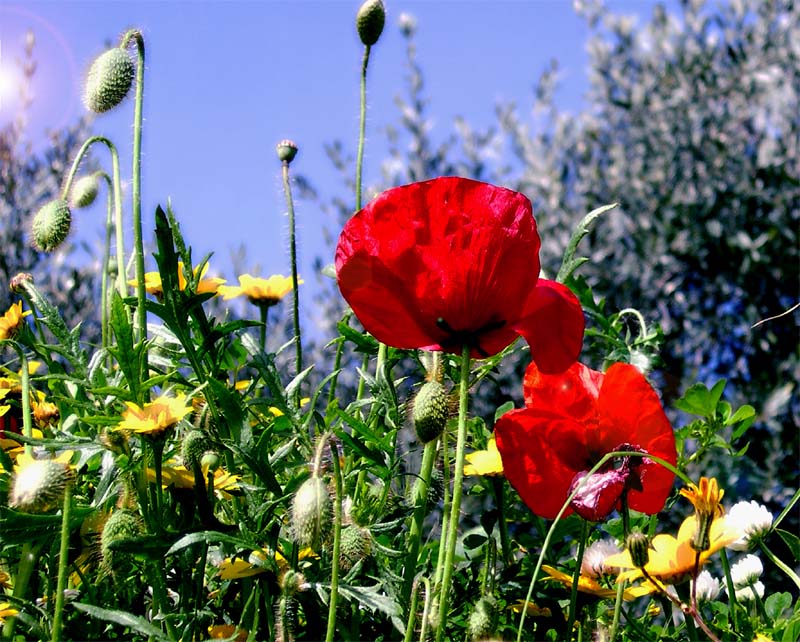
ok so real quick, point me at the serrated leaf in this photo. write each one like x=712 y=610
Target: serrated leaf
x=569 y=263
x=363 y=342
x=207 y=537
x=123 y=618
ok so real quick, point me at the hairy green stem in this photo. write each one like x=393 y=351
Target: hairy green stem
x=458 y=477
x=298 y=345
x=421 y=503
x=612 y=634
x=25 y=391
x=573 y=597
x=63 y=551
x=362 y=124
x=337 y=539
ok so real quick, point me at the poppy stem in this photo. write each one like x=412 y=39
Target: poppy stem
x=617 y=610
x=362 y=122
x=337 y=539
x=63 y=551
x=455 y=509
x=573 y=597
x=293 y=256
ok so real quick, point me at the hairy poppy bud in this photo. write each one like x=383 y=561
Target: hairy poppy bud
x=51 y=225
x=431 y=411
x=639 y=548
x=84 y=191
x=39 y=486
x=287 y=150
x=109 y=80
x=483 y=620
x=356 y=544
x=370 y=19
x=311 y=513
x=193 y=447
x=122 y=525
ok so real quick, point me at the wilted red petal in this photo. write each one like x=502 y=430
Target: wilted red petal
x=552 y=325
x=571 y=421
x=448 y=262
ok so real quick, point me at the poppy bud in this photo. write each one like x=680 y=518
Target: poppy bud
x=193 y=447
x=39 y=486
x=15 y=284
x=122 y=525
x=370 y=19
x=286 y=611
x=639 y=548
x=51 y=225
x=311 y=513
x=287 y=150
x=483 y=620
x=356 y=544
x=84 y=191
x=431 y=411
x=109 y=80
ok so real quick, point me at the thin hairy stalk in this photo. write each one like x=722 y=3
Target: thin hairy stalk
x=458 y=477
x=63 y=551
x=573 y=597
x=27 y=565
x=136 y=191
x=337 y=539
x=104 y=323
x=25 y=388
x=421 y=503
x=612 y=634
x=412 y=614
x=298 y=344
x=362 y=125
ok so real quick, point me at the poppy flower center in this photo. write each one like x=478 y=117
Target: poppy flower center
x=471 y=338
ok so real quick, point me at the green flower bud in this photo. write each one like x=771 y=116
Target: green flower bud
x=39 y=486
x=638 y=546
x=311 y=513
x=109 y=80
x=122 y=525
x=84 y=191
x=287 y=150
x=51 y=225
x=483 y=620
x=356 y=544
x=431 y=411
x=370 y=19
x=193 y=447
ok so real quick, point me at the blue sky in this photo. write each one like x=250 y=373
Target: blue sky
x=225 y=81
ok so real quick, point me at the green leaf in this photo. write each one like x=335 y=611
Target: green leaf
x=207 y=537
x=362 y=341
x=569 y=263
x=503 y=409
x=792 y=631
x=123 y=618
x=776 y=604
x=128 y=358
x=697 y=400
x=792 y=541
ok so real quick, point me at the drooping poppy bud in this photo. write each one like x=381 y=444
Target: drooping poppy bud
x=370 y=19
x=109 y=80
x=51 y=225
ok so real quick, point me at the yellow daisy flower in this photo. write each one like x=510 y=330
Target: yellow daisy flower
x=6 y=610
x=227 y=632
x=671 y=559
x=155 y=417
x=177 y=475
x=705 y=498
x=587 y=584
x=153 y=285
x=237 y=568
x=259 y=291
x=485 y=462
x=12 y=321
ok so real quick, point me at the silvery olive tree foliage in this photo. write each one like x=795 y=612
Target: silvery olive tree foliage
x=29 y=179
x=692 y=125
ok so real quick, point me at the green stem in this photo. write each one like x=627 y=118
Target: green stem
x=455 y=509
x=617 y=609
x=25 y=388
x=337 y=538
x=63 y=551
x=412 y=614
x=27 y=565
x=104 y=323
x=262 y=336
x=421 y=503
x=157 y=444
x=726 y=569
x=573 y=598
x=498 y=487
x=136 y=192
x=362 y=124
x=437 y=578
x=426 y=611
x=780 y=564
x=293 y=254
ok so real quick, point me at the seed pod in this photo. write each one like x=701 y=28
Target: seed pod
x=356 y=544
x=311 y=513
x=84 y=191
x=370 y=19
x=39 y=486
x=51 y=225
x=431 y=411
x=483 y=620
x=194 y=445
x=109 y=80
x=287 y=150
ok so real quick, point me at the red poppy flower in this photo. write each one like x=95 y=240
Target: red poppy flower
x=570 y=421
x=451 y=262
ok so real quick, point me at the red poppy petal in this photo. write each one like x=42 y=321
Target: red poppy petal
x=553 y=326
x=534 y=465
x=451 y=257
x=630 y=412
x=573 y=393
